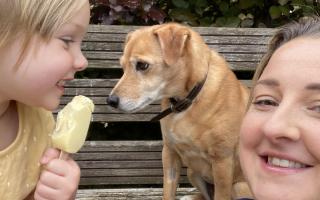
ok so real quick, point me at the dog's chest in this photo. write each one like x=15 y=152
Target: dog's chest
x=186 y=144
x=192 y=153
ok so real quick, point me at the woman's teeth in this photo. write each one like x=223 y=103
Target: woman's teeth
x=285 y=163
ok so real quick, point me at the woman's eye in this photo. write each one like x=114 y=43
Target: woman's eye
x=265 y=102
x=315 y=108
x=141 y=66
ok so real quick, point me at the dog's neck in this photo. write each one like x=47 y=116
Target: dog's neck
x=179 y=105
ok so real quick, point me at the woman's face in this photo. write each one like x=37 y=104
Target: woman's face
x=280 y=134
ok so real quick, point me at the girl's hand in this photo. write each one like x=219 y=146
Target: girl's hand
x=59 y=179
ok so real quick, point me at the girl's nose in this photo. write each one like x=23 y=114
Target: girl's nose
x=80 y=62
x=281 y=125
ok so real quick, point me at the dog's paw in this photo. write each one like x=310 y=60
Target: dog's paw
x=187 y=197
x=241 y=190
x=192 y=197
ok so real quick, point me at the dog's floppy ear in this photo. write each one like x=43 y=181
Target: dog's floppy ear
x=128 y=36
x=172 y=40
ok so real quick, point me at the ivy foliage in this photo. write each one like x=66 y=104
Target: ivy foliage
x=226 y=13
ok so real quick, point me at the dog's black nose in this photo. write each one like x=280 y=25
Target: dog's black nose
x=113 y=100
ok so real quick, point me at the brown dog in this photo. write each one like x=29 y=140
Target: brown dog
x=167 y=62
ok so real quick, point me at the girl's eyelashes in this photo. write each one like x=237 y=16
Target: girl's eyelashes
x=67 y=41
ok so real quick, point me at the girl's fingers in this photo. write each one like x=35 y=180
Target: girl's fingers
x=49 y=155
x=44 y=192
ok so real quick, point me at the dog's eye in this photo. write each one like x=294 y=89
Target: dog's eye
x=141 y=66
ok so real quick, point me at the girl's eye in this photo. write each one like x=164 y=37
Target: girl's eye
x=67 y=41
x=141 y=66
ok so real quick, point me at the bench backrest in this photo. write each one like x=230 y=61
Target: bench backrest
x=139 y=162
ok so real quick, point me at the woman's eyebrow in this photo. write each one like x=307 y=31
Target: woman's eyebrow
x=313 y=86
x=268 y=82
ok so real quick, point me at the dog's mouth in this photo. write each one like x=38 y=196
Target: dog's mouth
x=131 y=106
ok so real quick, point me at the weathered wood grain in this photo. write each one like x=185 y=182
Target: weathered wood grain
x=121 y=163
x=129 y=193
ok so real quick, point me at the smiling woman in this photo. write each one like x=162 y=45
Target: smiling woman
x=279 y=137
x=40 y=50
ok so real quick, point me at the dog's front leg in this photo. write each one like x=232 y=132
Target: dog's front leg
x=223 y=178
x=171 y=172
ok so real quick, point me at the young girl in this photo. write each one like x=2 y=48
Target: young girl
x=280 y=134
x=39 y=52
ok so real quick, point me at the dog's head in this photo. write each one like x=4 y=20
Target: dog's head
x=155 y=64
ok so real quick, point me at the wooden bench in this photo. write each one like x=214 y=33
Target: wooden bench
x=131 y=168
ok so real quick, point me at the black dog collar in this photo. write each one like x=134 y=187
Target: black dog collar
x=177 y=106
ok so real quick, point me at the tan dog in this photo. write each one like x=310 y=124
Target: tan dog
x=167 y=61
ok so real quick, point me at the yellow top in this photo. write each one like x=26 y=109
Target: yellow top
x=19 y=163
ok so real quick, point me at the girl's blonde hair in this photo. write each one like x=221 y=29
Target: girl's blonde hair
x=26 y=18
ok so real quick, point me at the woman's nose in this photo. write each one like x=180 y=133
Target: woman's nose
x=80 y=62
x=281 y=125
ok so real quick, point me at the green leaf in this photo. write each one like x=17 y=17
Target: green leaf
x=228 y=21
x=201 y=3
x=298 y=2
x=274 y=12
x=183 y=15
x=224 y=7
x=284 y=10
x=283 y=2
x=260 y=3
x=246 y=23
x=232 y=11
x=242 y=16
x=180 y=3
x=309 y=10
x=206 y=21
x=200 y=6
x=245 y=4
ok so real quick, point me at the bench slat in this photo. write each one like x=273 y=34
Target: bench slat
x=209 y=39
x=114 y=64
x=129 y=193
x=230 y=57
x=118 y=180
x=118 y=156
x=107 y=83
x=111 y=164
x=219 y=47
x=122 y=146
x=123 y=29
x=123 y=172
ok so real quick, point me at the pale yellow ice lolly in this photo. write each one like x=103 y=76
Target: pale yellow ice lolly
x=73 y=124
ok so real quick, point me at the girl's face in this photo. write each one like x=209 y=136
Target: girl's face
x=280 y=134
x=40 y=78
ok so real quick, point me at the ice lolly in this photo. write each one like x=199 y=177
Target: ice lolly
x=72 y=124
